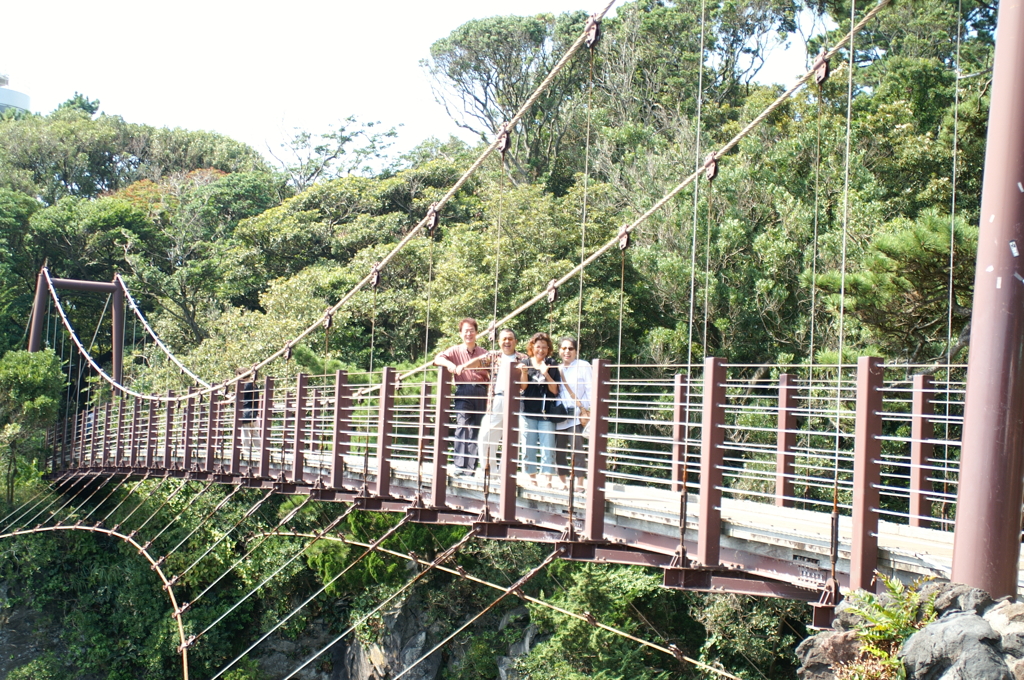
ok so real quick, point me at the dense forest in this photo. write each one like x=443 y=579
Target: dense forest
x=230 y=255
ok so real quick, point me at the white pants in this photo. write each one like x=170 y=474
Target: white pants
x=490 y=434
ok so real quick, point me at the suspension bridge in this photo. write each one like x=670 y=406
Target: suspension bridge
x=794 y=481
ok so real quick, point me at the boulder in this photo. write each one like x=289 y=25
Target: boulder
x=817 y=654
x=949 y=596
x=959 y=646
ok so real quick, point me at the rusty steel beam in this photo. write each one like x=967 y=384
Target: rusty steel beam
x=986 y=546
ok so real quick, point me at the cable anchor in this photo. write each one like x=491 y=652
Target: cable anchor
x=593 y=31
x=821 y=69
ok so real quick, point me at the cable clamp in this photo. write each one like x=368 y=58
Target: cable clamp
x=821 y=69
x=328 y=320
x=676 y=652
x=433 y=219
x=288 y=352
x=591 y=619
x=711 y=167
x=593 y=31
x=188 y=643
x=552 y=291
x=504 y=139
x=375 y=275
x=624 y=238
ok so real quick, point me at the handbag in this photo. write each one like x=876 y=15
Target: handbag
x=554 y=409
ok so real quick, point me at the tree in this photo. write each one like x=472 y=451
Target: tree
x=30 y=387
x=310 y=158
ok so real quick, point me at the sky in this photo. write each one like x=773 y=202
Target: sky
x=256 y=71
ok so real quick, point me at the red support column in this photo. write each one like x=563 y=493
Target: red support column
x=785 y=442
x=680 y=430
x=593 y=518
x=986 y=547
x=266 y=409
x=385 y=428
x=168 y=431
x=298 y=454
x=341 y=428
x=117 y=333
x=439 y=485
x=507 y=488
x=190 y=408
x=35 y=336
x=236 y=431
x=867 y=473
x=93 y=423
x=709 y=527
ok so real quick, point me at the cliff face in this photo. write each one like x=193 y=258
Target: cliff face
x=973 y=638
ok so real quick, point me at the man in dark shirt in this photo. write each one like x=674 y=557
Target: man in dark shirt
x=470 y=394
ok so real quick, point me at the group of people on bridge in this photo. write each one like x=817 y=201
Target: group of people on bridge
x=554 y=404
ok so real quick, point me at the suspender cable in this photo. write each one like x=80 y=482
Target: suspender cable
x=447 y=554
x=586 y=196
x=174 y=519
x=387 y=534
x=513 y=588
x=149 y=330
x=697 y=162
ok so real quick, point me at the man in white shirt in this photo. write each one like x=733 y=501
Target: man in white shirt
x=575 y=396
x=500 y=363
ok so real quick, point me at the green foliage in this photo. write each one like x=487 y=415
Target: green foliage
x=885 y=622
x=46 y=667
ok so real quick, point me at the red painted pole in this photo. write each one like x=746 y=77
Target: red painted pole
x=600 y=390
x=385 y=428
x=986 y=546
x=266 y=410
x=439 y=484
x=866 y=473
x=298 y=453
x=921 y=429
x=507 y=488
x=709 y=526
x=341 y=427
x=785 y=442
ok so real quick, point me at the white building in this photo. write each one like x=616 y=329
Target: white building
x=10 y=99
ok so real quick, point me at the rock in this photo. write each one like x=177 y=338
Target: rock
x=949 y=596
x=1007 y=619
x=959 y=646
x=817 y=654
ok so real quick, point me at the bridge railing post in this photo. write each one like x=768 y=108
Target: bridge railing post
x=133 y=434
x=785 y=442
x=150 y=434
x=593 y=518
x=385 y=430
x=93 y=431
x=680 y=431
x=442 y=409
x=867 y=449
x=507 y=487
x=922 y=429
x=709 y=527
x=341 y=427
x=107 y=441
x=186 y=443
x=211 y=433
x=168 y=460
x=119 y=440
x=266 y=409
x=236 y=431
x=298 y=453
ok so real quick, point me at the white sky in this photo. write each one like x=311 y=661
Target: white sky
x=255 y=70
